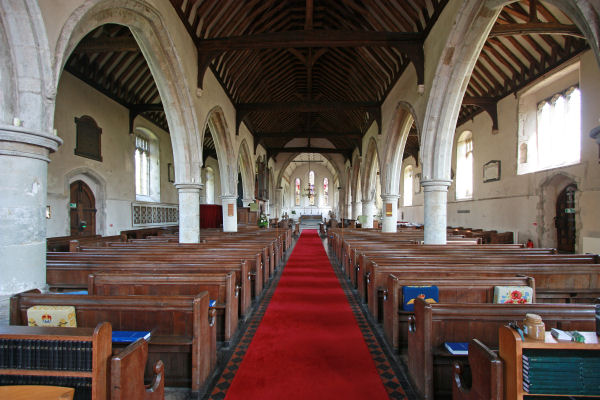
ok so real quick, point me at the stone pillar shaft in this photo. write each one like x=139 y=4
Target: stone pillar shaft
x=23 y=187
x=229 y=202
x=390 y=203
x=367 y=208
x=189 y=212
x=356 y=209
x=436 y=201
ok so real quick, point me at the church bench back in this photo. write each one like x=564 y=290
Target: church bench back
x=74 y=274
x=181 y=327
x=220 y=287
x=455 y=288
x=430 y=367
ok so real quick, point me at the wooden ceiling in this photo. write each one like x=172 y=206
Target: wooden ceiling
x=322 y=68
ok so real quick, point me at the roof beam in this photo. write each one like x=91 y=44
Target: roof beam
x=309 y=134
x=243 y=109
x=488 y=104
x=321 y=150
x=539 y=28
x=409 y=43
x=107 y=44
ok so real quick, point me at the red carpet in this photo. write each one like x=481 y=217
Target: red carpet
x=308 y=345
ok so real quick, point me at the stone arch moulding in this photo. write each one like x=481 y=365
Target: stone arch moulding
x=246 y=166
x=369 y=172
x=355 y=178
x=397 y=135
x=154 y=38
x=225 y=151
x=548 y=192
x=97 y=184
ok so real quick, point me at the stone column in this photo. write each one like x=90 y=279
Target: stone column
x=203 y=188
x=390 y=212
x=189 y=212
x=436 y=200
x=268 y=209
x=23 y=191
x=278 y=202
x=356 y=209
x=229 y=203
x=367 y=208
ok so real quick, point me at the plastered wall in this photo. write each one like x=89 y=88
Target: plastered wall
x=520 y=202
x=112 y=179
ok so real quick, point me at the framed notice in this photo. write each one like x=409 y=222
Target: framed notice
x=491 y=171
x=388 y=209
x=230 y=210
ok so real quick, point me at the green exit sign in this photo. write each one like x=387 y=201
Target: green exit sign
x=73 y=205
x=569 y=211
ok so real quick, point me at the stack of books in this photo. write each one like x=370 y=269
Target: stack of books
x=572 y=372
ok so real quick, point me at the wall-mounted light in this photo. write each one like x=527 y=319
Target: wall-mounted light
x=48 y=212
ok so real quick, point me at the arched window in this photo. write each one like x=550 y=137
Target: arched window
x=147 y=166
x=297 y=191
x=559 y=129
x=311 y=188
x=325 y=191
x=464 y=166
x=209 y=186
x=408 y=185
x=142 y=166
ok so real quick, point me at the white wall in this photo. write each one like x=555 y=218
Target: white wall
x=115 y=172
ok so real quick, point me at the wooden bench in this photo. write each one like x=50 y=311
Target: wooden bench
x=73 y=275
x=562 y=278
x=88 y=367
x=486 y=375
x=127 y=374
x=184 y=331
x=456 y=288
x=220 y=287
x=430 y=365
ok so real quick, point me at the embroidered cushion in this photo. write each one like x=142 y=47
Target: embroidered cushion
x=409 y=293
x=51 y=316
x=513 y=294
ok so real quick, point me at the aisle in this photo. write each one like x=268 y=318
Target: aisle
x=308 y=345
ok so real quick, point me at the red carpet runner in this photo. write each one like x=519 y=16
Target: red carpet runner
x=308 y=345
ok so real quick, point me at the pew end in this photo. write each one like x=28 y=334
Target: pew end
x=127 y=374
x=486 y=375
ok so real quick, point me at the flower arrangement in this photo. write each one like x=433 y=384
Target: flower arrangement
x=263 y=222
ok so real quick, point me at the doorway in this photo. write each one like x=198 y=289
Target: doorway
x=83 y=210
x=565 y=220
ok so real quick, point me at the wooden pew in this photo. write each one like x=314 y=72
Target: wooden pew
x=562 y=278
x=184 y=331
x=127 y=374
x=454 y=288
x=73 y=275
x=430 y=365
x=220 y=287
x=486 y=375
x=103 y=381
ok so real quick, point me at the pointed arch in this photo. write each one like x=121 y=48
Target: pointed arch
x=216 y=122
x=246 y=168
x=369 y=173
x=355 y=179
x=152 y=33
x=404 y=117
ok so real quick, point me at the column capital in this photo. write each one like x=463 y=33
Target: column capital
x=390 y=197
x=22 y=142
x=189 y=187
x=436 y=185
x=228 y=197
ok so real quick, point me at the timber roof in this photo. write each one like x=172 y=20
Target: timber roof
x=322 y=68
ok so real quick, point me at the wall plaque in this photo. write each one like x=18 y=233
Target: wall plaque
x=87 y=140
x=230 y=210
x=491 y=171
x=388 y=209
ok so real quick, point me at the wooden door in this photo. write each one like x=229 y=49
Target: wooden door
x=83 y=210
x=565 y=220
